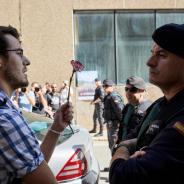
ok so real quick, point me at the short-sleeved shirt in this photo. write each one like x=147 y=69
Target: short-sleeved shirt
x=20 y=153
x=53 y=100
x=64 y=95
x=98 y=93
x=23 y=101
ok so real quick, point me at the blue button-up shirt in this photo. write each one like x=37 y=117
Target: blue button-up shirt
x=19 y=149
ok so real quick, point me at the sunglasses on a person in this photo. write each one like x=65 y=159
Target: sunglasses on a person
x=105 y=86
x=131 y=90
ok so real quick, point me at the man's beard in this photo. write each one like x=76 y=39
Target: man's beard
x=15 y=81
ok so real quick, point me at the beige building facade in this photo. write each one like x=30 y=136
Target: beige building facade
x=47 y=33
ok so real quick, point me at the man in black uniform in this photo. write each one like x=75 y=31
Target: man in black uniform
x=135 y=109
x=98 y=111
x=113 y=106
x=159 y=156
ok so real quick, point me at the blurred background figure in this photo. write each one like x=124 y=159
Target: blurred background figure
x=25 y=99
x=64 y=92
x=53 y=98
x=46 y=88
x=113 y=106
x=40 y=100
x=134 y=111
x=98 y=109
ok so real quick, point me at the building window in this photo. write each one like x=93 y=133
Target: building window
x=133 y=43
x=94 y=42
x=164 y=17
x=117 y=44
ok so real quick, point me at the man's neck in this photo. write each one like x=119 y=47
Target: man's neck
x=6 y=88
x=172 y=92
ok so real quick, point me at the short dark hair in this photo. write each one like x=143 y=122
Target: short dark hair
x=4 y=30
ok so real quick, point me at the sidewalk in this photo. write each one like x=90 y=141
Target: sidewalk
x=101 y=138
x=88 y=126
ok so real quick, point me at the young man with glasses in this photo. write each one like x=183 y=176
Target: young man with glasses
x=21 y=157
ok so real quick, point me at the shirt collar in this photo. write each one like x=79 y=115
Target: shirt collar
x=5 y=100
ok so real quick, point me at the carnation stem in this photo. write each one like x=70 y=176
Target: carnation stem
x=68 y=98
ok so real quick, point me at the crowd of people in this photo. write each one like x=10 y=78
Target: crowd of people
x=122 y=120
x=146 y=140
x=41 y=100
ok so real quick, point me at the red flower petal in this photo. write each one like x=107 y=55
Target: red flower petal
x=77 y=66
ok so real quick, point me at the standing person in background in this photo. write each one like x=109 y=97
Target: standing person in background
x=98 y=110
x=25 y=99
x=113 y=106
x=53 y=98
x=40 y=102
x=64 y=92
x=22 y=160
x=46 y=88
x=135 y=109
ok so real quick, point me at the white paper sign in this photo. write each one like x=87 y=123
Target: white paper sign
x=86 y=84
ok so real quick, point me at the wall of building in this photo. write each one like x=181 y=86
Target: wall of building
x=47 y=34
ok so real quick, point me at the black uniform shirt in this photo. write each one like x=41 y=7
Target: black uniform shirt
x=113 y=106
x=98 y=93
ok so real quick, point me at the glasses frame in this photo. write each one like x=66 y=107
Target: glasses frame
x=18 y=49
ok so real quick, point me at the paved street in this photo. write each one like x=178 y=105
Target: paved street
x=103 y=155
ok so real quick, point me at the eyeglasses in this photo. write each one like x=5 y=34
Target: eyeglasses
x=131 y=90
x=19 y=51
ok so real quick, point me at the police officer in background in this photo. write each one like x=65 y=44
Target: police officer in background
x=98 y=111
x=135 y=109
x=113 y=106
x=159 y=156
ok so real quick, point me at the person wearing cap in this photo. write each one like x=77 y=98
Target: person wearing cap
x=64 y=92
x=159 y=153
x=98 y=110
x=135 y=109
x=113 y=106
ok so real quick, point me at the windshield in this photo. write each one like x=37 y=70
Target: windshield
x=40 y=125
x=41 y=128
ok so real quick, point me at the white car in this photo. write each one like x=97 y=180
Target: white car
x=73 y=160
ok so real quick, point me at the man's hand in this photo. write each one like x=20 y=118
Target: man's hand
x=121 y=152
x=63 y=117
x=138 y=154
x=91 y=102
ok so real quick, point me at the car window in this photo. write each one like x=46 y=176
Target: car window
x=41 y=128
x=40 y=125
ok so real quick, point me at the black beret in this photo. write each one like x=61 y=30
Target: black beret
x=171 y=38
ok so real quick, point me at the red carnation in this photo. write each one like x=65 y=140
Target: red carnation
x=77 y=66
